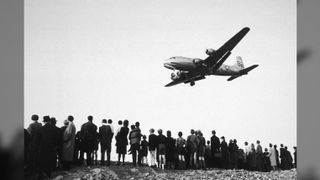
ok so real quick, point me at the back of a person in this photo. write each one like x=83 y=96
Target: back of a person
x=152 y=142
x=47 y=138
x=192 y=143
x=105 y=134
x=180 y=142
x=88 y=131
x=135 y=136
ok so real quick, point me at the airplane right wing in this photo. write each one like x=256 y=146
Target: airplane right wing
x=226 y=47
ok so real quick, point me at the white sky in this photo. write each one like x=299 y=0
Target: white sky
x=105 y=58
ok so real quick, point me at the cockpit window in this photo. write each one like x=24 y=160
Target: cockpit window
x=172 y=57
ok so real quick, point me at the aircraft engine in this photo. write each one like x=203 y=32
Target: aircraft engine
x=210 y=52
x=175 y=75
x=197 y=61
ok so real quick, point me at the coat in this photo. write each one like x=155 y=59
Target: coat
x=68 y=142
x=47 y=141
x=272 y=157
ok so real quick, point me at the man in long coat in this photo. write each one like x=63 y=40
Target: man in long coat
x=215 y=145
x=33 y=130
x=47 y=140
x=88 y=135
x=68 y=143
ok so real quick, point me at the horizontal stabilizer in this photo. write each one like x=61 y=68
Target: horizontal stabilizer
x=233 y=77
x=246 y=70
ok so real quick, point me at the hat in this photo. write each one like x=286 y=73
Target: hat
x=222 y=137
x=104 y=121
x=70 y=118
x=46 y=118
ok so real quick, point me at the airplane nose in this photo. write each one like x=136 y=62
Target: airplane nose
x=168 y=65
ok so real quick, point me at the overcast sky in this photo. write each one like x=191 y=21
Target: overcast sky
x=105 y=58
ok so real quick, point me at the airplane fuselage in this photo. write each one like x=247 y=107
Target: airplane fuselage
x=180 y=63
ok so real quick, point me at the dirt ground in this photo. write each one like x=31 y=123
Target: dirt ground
x=130 y=172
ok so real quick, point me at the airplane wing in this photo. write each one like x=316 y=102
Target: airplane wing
x=233 y=77
x=189 y=80
x=228 y=46
x=246 y=70
x=172 y=83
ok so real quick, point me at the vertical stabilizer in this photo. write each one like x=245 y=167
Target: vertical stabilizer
x=239 y=62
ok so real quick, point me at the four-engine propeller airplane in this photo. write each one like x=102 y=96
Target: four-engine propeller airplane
x=189 y=70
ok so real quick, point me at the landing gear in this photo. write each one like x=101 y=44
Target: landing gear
x=192 y=83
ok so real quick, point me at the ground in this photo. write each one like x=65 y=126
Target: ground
x=140 y=173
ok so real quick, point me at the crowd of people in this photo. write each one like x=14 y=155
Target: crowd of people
x=49 y=148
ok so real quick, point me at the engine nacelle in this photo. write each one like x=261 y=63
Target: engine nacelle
x=210 y=52
x=197 y=61
x=177 y=74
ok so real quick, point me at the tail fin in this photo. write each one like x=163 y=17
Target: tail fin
x=239 y=62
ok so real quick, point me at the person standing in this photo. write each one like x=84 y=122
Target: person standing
x=57 y=163
x=224 y=153
x=161 y=149
x=192 y=146
x=266 y=161
x=259 y=156
x=180 y=146
x=68 y=143
x=283 y=163
x=105 y=139
x=144 y=151
x=253 y=158
x=47 y=141
x=122 y=141
x=134 y=137
x=33 y=130
x=88 y=135
x=153 y=144
x=215 y=145
x=208 y=154
x=272 y=157
x=201 y=150
x=247 y=150
x=170 y=150
x=277 y=156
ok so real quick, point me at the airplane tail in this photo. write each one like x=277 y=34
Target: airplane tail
x=243 y=72
x=239 y=62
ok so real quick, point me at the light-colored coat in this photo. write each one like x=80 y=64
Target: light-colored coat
x=272 y=157
x=68 y=142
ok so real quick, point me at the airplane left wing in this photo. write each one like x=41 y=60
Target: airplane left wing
x=226 y=47
x=172 y=83
x=189 y=80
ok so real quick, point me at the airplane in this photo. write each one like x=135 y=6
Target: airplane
x=188 y=70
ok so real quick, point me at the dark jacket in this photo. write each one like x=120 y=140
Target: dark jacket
x=153 y=142
x=105 y=135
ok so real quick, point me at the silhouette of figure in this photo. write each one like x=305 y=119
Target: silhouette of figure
x=122 y=141
x=192 y=146
x=47 y=140
x=88 y=135
x=153 y=144
x=105 y=139
x=180 y=146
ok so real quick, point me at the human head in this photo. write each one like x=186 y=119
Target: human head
x=213 y=132
x=90 y=118
x=208 y=142
x=144 y=137
x=258 y=142
x=180 y=134
x=109 y=121
x=266 y=149
x=151 y=131
x=70 y=118
x=235 y=141
x=270 y=145
x=137 y=124
x=286 y=147
x=65 y=122
x=281 y=145
x=46 y=119
x=192 y=131
x=132 y=127
x=168 y=133
x=126 y=123
x=159 y=131
x=34 y=117
x=246 y=143
x=275 y=146
x=294 y=147
x=222 y=137
x=53 y=121
x=120 y=122
x=104 y=121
